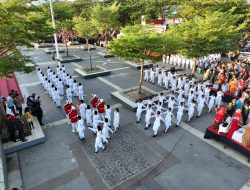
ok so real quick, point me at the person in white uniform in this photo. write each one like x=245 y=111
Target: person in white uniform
x=75 y=88
x=152 y=75
x=80 y=128
x=71 y=81
x=108 y=112
x=89 y=116
x=146 y=74
x=57 y=97
x=98 y=139
x=179 y=114
x=168 y=119
x=191 y=109
x=80 y=92
x=116 y=119
x=148 y=117
x=211 y=103
x=69 y=94
x=201 y=105
x=95 y=120
x=106 y=129
x=82 y=109
x=218 y=99
x=139 y=110
x=60 y=87
x=157 y=123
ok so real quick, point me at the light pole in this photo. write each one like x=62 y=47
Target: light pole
x=55 y=37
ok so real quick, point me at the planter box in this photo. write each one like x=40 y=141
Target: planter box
x=138 y=66
x=72 y=58
x=51 y=50
x=86 y=49
x=108 y=56
x=86 y=75
x=128 y=102
x=44 y=45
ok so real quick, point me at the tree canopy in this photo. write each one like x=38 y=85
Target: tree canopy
x=16 y=31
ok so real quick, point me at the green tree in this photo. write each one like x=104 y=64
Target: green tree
x=105 y=18
x=138 y=44
x=15 y=32
x=213 y=33
x=87 y=30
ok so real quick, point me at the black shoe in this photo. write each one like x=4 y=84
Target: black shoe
x=197 y=116
x=104 y=149
x=137 y=121
x=154 y=135
x=177 y=126
x=145 y=128
x=24 y=140
x=96 y=152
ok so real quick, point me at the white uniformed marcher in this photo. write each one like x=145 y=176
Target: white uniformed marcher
x=146 y=74
x=80 y=92
x=180 y=113
x=105 y=130
x=168 y=119
x=82 y=109
x=80 y=127
x=89 y=116
x=139 y=111
x=116 y=119
x=99 y=138
x=157 y=123
x=148 y=116
x=69 y=94
x=201 y=105
x=211 y=103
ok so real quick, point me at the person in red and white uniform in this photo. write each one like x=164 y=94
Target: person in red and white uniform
x=101 y=108
x=67 y=108
x=94 y=101
x=73 y=116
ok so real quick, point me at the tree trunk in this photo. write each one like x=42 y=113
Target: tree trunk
x=89 y=52
x=67 y=50
x=194 y=67
x=141 y=76
x=106 y=41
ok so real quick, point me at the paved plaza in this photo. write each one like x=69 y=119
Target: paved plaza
x=179 y=159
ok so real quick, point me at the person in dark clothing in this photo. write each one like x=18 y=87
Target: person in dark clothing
x=245 y=113
x=38 y=112
x=18 y=125
x=230 y=110
x=10 y=124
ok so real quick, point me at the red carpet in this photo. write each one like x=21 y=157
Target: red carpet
x=211 y=128
x=6 y=85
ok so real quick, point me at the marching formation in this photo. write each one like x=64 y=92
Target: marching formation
x=81 y=114
x=187 y=95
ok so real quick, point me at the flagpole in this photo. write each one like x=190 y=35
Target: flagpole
x=55 y=37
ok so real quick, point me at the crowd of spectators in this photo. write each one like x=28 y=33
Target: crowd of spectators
x=16 y=125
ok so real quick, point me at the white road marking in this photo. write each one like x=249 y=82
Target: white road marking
x=53 y=124
x=220 y=146
x=118 y=75
x=109 y=83
x=246 y=186
x=76 y=65
x=121 y=68
x=29 y=84
x=116 y=106
x=46 y=63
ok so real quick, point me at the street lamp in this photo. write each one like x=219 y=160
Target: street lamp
x=55 y=37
